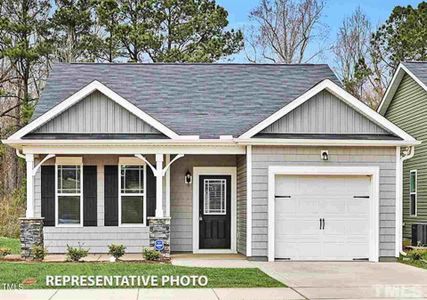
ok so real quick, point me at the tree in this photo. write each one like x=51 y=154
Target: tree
x=169 y=31
x=73 y=28
x=192 y=31
x=402 y=37
x=109 y=17
x=352 y=55
x=284 y=30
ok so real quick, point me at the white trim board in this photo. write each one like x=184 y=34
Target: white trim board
x=340 y=94
x=81 y=94
x=232 y=171
x=316 y=170
x=394 y=85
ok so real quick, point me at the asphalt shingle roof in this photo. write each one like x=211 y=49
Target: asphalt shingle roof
x=419 y=69
x=193 y=99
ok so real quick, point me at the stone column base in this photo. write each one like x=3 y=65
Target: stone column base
x=31 y=233
x=160 y=230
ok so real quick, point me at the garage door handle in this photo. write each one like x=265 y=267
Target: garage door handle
x=320 y=222
x=324 y=224
x=282 y=196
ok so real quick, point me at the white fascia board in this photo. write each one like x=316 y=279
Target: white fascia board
x=325 y=142
x=76 y=97
x=341 y=94
x=394 y=84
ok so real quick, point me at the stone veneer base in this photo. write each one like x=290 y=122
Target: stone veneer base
x=160 y=230
x=31 y=233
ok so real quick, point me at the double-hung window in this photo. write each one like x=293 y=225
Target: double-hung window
x=69 y=193
x=132 y=207
x=413 y=185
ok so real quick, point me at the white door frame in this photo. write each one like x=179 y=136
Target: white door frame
x=197 y=171
x=323 y=170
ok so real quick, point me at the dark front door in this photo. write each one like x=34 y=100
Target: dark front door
x=214 y=212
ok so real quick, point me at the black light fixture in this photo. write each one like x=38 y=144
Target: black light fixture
x=188 y=178
x=324 y=155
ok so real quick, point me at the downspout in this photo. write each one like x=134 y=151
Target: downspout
x=408 y=153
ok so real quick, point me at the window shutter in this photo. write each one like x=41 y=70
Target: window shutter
x=89 y=196
x=48 y=195
x=111 y=195
x=151 y=193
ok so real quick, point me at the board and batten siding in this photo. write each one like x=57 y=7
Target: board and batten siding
x=408 y=110
x=265 y=156
x=181 y=201
x=96 y=114
x=324 y=113
x=241 y=204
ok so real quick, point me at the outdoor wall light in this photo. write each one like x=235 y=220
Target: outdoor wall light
x=188 y=178
x=324 y=155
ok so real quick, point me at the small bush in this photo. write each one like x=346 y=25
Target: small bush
x=116 y=251
x=5 y=251
x=417 y=254
x=76 y=253
x=38 y=252
x=150 y=254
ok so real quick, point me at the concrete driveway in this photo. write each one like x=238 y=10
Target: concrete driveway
x=350 y=280
x=336 y=280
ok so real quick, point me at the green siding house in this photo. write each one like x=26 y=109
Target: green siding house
x=405 y=104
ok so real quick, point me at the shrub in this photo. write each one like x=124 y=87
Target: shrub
x=150 y=254
x=38 y=252
x=116 y=250
x=417 y=254
x=76 y=253
x=5 y=251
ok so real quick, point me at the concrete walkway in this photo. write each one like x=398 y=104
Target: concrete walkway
x=154 y=294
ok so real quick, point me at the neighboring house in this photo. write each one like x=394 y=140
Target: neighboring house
x=271 y=161
x=405 y=104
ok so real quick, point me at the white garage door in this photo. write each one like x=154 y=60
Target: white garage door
x=322 y=217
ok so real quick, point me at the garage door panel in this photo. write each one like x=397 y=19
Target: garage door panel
x=342 y=201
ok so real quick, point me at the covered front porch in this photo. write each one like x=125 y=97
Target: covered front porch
x=191 y=198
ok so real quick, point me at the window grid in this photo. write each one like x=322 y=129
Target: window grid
x=138 y=192
x=62 y=193
x=211 y=183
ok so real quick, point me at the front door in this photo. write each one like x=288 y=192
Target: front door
x=215 y=212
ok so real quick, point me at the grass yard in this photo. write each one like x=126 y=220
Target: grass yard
x=416 y=258
x=13 y=244
x=17 y=273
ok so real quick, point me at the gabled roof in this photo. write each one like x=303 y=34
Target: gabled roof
x=206 y=100
x=417 y=71
x=340 y=93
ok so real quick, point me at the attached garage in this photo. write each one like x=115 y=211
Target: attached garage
x=323 y=213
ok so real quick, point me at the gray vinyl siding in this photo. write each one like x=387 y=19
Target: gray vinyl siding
x=265 y=156
x=241 y=204
x=408 y=110
x=326 y=114
x=181 y=202
x=96 y=114
x=96 y=239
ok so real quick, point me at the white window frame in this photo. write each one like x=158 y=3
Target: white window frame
x=225 y=198
x=413 y=193
x=68 y=162
x=132 y=162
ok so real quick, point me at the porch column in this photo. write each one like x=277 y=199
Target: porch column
x=159 y=186
x=29 y=158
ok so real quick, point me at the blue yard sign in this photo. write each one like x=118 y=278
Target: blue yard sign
x=159 y=245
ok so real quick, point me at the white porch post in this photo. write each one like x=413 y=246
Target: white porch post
x=29 y=158
x=168 y=187
x=159 y=186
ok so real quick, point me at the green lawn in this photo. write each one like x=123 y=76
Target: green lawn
x=217 y=277
x=13 y=244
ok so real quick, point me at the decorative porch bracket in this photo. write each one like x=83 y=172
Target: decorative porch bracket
x=159 y=172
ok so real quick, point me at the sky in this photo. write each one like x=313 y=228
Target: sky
x=335 y=10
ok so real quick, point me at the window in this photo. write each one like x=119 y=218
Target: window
x=413 y=192
x=69 y=194
x=132 y=194
x=215 y=197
